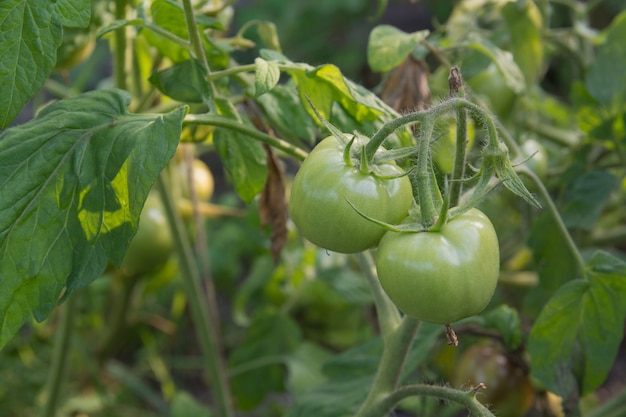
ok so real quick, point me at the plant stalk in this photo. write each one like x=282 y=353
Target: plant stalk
x=218 y=121
x=204 y=315
x=387 y=312
x=458 y=172
x=397 y=346
x=428 y=211
x=119 y=61
x=465 y=398
x=194 y=35
x=59 y=356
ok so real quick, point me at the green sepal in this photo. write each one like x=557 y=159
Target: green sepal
x=365 y=166
x=347 y=156
x=390 y=177
x=395 y=154
x=496 y=159
x=443 y=213
x=415 y=227
x=341 y=137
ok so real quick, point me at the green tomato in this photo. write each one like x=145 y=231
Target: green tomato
x=319 y=207
x=508 y=392
x=441 y=277
x=153 y=244
x=203 y=181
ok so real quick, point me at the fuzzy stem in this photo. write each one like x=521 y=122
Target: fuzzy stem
x=204 y=315
x=465 y=398
x=397 y=346
x=424 y=178
x=458 y=171
x=59 y=356
x=218 y=121
x=455 y=80
x=388 y=316
x=430 y=114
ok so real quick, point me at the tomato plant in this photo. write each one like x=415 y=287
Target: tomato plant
x=324 y=185
x=442 y=276
x=250 y=317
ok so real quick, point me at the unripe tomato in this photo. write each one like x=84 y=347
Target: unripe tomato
x=153 y=244
x=508 y=392
x=203 y=181
x=318 y=205
x=444 y=276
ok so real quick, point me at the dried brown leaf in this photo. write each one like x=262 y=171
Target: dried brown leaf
x=273 y=204
x=406 y=88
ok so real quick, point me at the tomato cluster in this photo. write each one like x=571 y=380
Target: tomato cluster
x=325 y=186
x=438 y=276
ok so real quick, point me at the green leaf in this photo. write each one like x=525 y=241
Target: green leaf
x=605 y=79
x=587 y=197
x=73 y=181
x=525 y=24
x=506 y=321
x=184 y=405
x=513 y=76
x=305 y=367
x=73 y=13
x=556 y=264
x=389 y=46
x=261 y=355
x=269 y=35
x=168 y=16
x=575 y=340
x=325 y=85
x=286 y=114
x=243 y=158
x=185 y=81
x=266 y=77
x=340 y=398
x=30 y=35
x=29 y=38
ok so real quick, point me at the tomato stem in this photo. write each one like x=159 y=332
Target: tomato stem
x=465 y=398
x=396 y=347
x=424 y=178
x=387 y=312
x=458 y=172
x=203 y=314
x=59 y=356
x=119 y=60
x=219 y=121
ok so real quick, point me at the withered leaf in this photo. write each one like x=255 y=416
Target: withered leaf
x=406 y=88
x=273 y=204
